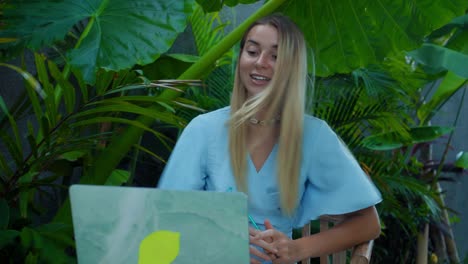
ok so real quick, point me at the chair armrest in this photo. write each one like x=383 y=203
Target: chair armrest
x=362 y=253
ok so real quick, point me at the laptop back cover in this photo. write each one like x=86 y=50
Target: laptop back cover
x=148 y=225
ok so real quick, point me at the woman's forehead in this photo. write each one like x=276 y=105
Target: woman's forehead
x=263 y=35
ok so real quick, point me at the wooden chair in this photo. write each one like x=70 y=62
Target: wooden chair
x=360 y=254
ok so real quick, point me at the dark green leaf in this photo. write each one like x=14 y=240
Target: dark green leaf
x=49 y=99
x=57 y=232
x=31 y=139
x=4 y=215
x=13 y=149
x=45 y=129
x=217 y=5
x=8 y=237
x=4 y=166
x=184 y=57
x=32 y=258
x=210 y=5
x=72 y=155
x=461 y=21
x=392 y=140
x=236 y=2
x=66 y=87
x=166 y=67
x=99 y=120
x=462 y=160
x=129 y=108
x=15 y=146
x=25 y=195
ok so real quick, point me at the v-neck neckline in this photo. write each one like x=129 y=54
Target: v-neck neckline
x=265 y=163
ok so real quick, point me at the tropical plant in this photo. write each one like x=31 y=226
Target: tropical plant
x=104 y=46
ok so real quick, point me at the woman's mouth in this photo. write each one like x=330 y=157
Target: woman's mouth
x=259 y=79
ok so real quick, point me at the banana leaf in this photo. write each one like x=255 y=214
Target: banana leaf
x=440 y=59
x=436 y=59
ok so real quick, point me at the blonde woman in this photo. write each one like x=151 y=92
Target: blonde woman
x=292 y=166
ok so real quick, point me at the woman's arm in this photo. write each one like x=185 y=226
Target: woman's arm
x=357 y=227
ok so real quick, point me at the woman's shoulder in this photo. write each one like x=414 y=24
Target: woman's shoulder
x=211 y=122
x=313 y=124
x=219 y=116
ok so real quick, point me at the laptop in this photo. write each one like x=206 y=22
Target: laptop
x=148 y=225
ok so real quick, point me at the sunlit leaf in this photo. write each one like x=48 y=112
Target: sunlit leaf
x=347 y=35
x=462 y=160
x=118 y=177
x=72 y=155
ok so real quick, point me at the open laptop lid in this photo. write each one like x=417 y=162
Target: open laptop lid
x=148 y=225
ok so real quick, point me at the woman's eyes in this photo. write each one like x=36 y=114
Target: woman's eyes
x=251 y=52
x=254 y=53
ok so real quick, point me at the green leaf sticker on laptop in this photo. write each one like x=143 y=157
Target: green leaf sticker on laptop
x=162 y=246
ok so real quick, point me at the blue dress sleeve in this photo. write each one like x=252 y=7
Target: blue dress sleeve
x=335 y=183
x=185 y=169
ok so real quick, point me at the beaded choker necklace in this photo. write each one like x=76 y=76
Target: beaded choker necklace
x=272 y=121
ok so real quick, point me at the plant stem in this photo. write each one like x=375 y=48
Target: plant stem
x=110 y=157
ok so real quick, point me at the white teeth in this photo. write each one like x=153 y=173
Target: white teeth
x=260 y=78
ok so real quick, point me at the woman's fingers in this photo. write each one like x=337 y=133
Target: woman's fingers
x=254 y=251
x=253 y=231
x=267 y=246
x=254 y=261
x=268 y=224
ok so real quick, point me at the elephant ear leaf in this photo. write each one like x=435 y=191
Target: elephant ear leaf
x=119 y=33
x=347 y=35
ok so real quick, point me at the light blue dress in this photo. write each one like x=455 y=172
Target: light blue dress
x=331 y=181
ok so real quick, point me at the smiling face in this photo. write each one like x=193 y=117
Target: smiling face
x=258 y=58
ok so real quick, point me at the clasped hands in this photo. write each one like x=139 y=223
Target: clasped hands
x=277 y=246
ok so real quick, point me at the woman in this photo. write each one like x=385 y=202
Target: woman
x=292 y=166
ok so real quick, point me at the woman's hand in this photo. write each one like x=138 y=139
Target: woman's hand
x=279 y=247
x=253 y=250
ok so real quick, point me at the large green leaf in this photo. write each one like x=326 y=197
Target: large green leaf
x=119 y=34
x=346 y=35
x=216 y=5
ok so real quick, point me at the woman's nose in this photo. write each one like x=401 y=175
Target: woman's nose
x=261 y=61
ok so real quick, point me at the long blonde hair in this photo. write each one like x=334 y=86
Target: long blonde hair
x=284 y=96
